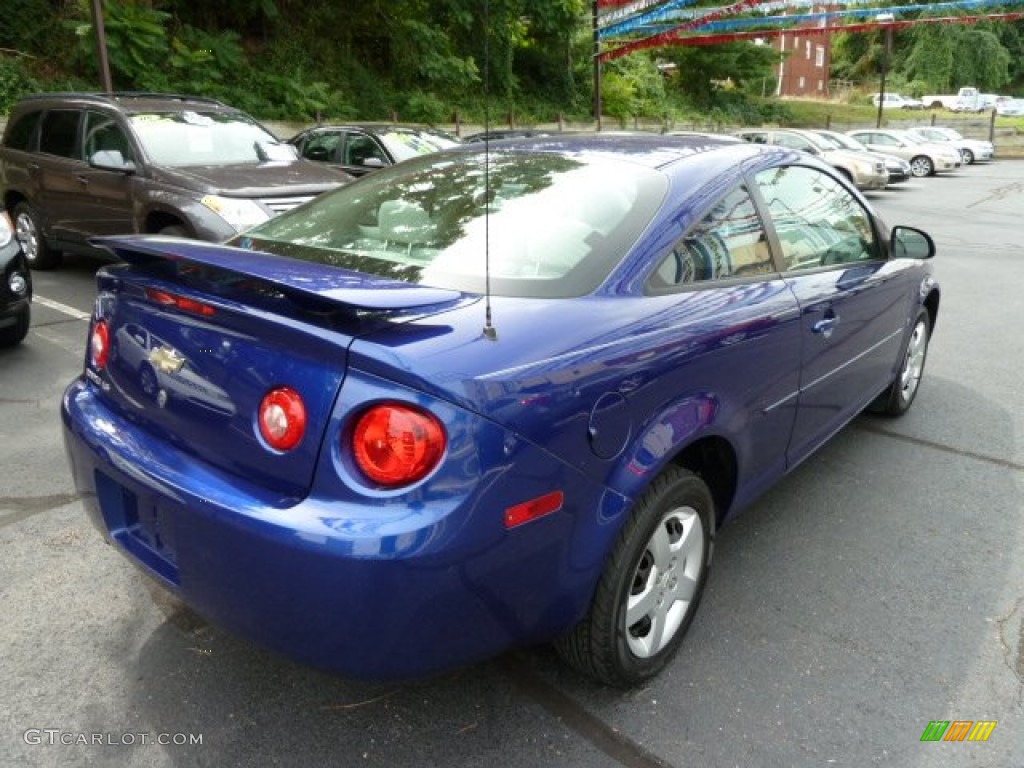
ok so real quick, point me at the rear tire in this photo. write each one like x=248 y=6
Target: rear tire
x=651 y=586
x=29 y=231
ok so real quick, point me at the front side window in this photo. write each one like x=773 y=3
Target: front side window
x=818 y=221
x=322 y=146
x=103 y=134
x=59 y=133
x=359 y=148
x=729 y=241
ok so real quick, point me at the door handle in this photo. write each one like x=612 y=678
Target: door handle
x=82 y=180
x=826 y=326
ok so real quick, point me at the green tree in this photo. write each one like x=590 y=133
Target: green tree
x=931 y=57
x=981 y=60
x=701 y=70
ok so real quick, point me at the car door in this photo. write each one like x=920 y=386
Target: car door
x=54 y=169
x=853 y=300
x=105 y=201
x=738 y=323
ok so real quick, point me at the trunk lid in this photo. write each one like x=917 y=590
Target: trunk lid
x=200 y=333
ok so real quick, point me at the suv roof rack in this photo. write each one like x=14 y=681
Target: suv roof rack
x=111 y=97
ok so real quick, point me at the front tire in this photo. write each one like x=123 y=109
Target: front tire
x=967 y=156
x=651 y=586
x=14 y=334
x=899 y=395
x=922 y=166
x=29 y=231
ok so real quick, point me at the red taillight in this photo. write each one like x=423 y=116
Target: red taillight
x=282 y=418
x=179 y=302
x=99 y=345
x=397 y=444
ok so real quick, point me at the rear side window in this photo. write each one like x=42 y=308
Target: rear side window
x=60 y=130
x=21 y=134
x=730 y=241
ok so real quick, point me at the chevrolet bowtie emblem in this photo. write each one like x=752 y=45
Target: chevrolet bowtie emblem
x=166 y=360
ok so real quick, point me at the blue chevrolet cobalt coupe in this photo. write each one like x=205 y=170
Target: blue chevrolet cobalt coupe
x=491 y=397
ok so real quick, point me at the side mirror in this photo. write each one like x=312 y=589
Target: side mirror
x=372 y=162
x=111 y=160
x=910 y=243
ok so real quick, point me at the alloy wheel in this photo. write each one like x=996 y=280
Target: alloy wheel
x=665 y=582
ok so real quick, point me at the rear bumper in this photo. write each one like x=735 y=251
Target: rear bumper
x=357 y=594
x=872 y=181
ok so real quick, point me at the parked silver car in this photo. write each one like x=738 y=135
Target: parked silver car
x=865 y=172
x=925 y=158
x=897 y=168
x=971 y=150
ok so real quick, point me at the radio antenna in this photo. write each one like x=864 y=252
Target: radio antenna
x=490 y=332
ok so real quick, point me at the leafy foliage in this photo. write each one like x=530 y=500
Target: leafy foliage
x=15 y=81
x=426 y=59
x=136 y=42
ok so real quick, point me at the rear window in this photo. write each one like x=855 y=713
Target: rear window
x=539 y=224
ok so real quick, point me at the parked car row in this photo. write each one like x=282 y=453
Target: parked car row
x=74 y=166
x=871 y=158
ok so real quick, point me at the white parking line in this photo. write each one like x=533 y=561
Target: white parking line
x=62 y=308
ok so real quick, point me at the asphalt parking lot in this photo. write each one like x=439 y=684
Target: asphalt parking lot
x=878 y=588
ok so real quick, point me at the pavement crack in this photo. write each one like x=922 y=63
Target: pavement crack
x=988 y=459
x=1011 y=638
x=600 y=734
x=27 y=506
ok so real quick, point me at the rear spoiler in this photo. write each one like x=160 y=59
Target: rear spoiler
x=354 y=289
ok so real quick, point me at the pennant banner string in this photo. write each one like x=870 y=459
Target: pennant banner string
x=674 y=38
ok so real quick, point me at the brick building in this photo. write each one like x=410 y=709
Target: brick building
x=804 y=59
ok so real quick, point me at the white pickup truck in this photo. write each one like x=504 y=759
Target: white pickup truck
x=967 y=99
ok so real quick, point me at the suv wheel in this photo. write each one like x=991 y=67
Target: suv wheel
x=30 y=234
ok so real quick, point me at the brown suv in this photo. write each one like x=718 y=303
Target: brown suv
x=75 y=165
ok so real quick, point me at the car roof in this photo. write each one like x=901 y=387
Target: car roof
x=650 y=149
x=371 y=127
x=127 y=101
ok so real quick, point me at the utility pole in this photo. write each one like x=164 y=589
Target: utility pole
x=597 y=67
x=101 y=45
x=885 y=66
